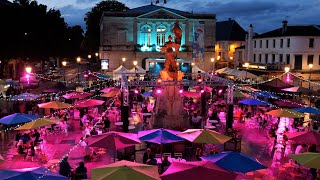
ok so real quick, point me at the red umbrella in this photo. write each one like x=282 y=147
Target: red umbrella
x=290 y=103
x=305 y=137
x=196 y=170
x=114 y=140
x=106 y=90
x=88 y=103
x=77 y=95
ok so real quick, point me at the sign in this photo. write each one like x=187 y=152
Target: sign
x=105 y=64
x=198 y=43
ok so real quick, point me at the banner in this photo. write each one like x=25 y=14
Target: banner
x=198 y=42
x=105 y=64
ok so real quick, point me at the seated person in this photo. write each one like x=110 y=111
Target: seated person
x=106 y=123
x=20 y=147
x=213 y=150
x=93 y=132
x=81 y=171
x=36 y=135
x=147 y=156
x=165 y=164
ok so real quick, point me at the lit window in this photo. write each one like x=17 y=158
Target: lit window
x=146 y=35
x=161 y=35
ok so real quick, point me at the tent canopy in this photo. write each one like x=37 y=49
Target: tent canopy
x=117 y=72
x=276 y=83
x=137 y=69
x=196 y=69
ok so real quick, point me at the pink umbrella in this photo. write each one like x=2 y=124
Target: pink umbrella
x=106 y=90
x=191 y=94
x=305 y=137
x=77 y=95
x=114 y=140
x=196 y=170
x=290 y=103
x=88 y=103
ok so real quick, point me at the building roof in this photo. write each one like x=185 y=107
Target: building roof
x=149 y=8
x=301 y=30
x=229 y=30
x=5 y=3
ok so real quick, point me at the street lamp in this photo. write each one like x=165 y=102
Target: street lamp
x=123 y=60
x=96 y=54
x=135 y=63
x=310 y=67
x=78 y=61
x=247 y=67
x=89 y=56
x=212 y=60
x=287 y=69
x=64 y=63
x=28 y=70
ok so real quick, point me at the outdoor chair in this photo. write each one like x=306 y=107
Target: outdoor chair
x=166 y=154
x=157 y=155
x=178 y=155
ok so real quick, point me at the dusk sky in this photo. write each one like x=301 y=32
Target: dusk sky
x=263 y=14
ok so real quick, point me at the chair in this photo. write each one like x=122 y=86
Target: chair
x=178 y=155
x=166 y=154
x=157 y=155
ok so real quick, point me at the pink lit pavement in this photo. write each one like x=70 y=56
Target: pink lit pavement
x=254 y=143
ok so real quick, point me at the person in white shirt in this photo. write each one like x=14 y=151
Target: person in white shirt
x=301 y=149
x=196 y=121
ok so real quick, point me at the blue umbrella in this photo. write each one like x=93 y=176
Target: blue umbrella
x=102 y=76
x=18 y=118
x=235 y=161
x=30 y=174
x=266 y=95
x=310 y=110
x=147 y=94
x=160 y=136
x=253 y=101
x=26 y=97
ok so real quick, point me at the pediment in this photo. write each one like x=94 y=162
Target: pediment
x=161 y=14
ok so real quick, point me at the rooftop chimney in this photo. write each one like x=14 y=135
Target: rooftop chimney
x=284 y=26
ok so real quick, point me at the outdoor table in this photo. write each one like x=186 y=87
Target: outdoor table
x=213 y=121
x=209 y=127
x=119 y=123
x=146 y=114
x=131 y=127
x=171 y=160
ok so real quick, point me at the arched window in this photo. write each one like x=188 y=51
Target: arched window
x=146 y=35
x=161 y=35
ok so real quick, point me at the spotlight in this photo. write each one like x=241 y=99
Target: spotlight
x=136 y=91
x=220 y=91
x=202 y=91
x=27 y=76
x=86 y=75
x=159 y=80
x=181 y=91
x=158 y=91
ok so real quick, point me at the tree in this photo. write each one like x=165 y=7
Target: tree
x=92 y=20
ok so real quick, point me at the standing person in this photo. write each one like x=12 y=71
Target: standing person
x=65 y=168
x=81 y=172
x=106 y=123
x=198 y=154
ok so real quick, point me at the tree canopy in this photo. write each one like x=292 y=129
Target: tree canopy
x=92 y=19
x=31 y=30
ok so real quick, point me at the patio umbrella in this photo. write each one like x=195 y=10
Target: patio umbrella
x=102 y=76
x=204 y=136
x=248 y=88
x=111 y=94
x=125 y=170
x=304 y=137
x=254 y=102
x=88 y=103
x=308 y=159
x=290 y=103
x=25 y=97
x=235 y=161
x=77 y=95
x=160 y=136
x=147 y=94
x=285 y=113
x=18 y=118
x=223 y=70
x=308 y=109
x=196 y=170
x=109 y=89
x=266 y=95
x=297 y=89
x=30 y=174
x=243 y=74
x=54 y=105
x=113 y=140
x=191 y=94
x=38 y=123
x=238 y=94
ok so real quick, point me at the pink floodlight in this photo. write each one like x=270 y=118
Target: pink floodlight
x=202 y=91
x=27 y=76
x=181 y=91
x=158 y=91
x=136 y=91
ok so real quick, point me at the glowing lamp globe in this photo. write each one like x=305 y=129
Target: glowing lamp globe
x=180 y=91
x=202 y=91
x=136 y=91
x=158 y=91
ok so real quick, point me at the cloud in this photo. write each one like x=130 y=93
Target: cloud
x=263 y=14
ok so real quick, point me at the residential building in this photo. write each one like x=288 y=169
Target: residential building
x=139 y=33
x=229 y=36
x=295 y=46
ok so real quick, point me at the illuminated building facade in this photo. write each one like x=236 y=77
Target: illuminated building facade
x=139 y=33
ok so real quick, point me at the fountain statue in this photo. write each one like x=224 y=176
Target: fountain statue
x=169 y=109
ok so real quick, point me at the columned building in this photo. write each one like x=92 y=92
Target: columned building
x=139 y=33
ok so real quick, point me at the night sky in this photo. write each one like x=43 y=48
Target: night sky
x=263 y=14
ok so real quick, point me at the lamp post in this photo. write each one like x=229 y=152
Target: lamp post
x=247 y=67
x=28 y=70
x=212 y=60
x=78 y=61
x=123 y=60
x=64 y=63
x=310 y=67
x=97 y=56
x=287 y=69
x=135 y=63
